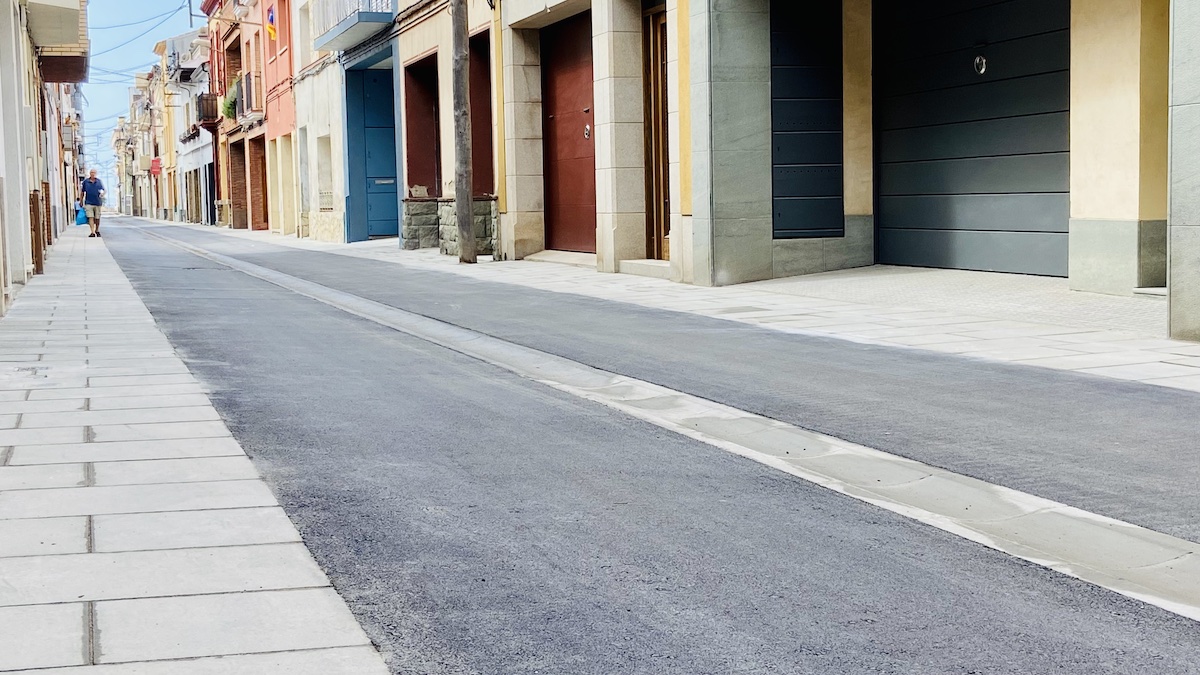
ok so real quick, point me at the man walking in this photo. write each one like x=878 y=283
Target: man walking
x=92 y=194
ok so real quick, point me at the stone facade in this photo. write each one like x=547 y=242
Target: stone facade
x=327 y=226
x=432 y=223
x=420 y=226
x=1184 y=206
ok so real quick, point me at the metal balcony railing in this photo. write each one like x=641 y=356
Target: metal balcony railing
x=208 y=108
x=329 y=13
x=250 y=97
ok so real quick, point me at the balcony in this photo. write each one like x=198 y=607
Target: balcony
x=192 y=133
x=53 y=22
x=208 y=110
x=341 y=24
x=60 y=34
x=250 y=99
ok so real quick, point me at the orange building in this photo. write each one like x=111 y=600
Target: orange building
x=281 y=117
x=237 y=33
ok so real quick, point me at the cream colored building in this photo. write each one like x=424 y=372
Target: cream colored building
x=1025 y=136
x=43 y=49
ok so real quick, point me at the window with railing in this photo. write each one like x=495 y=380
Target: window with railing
x=250 y=95
x=328 y=13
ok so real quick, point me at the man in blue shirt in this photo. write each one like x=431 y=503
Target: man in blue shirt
x=92 y=194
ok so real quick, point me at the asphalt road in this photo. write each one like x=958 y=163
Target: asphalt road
x=481 y=523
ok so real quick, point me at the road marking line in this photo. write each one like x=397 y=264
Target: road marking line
x=1134 y=561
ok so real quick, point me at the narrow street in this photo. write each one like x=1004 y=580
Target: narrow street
x=476 y=521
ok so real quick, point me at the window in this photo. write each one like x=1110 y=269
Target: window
x=325 y=173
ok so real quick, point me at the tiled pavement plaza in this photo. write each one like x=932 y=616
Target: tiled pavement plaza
x=135 y=534
x=1035 y=321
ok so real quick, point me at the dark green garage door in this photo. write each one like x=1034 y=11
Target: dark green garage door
x=972 y=115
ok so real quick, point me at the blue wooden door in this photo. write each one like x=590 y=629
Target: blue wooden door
x=383 y=212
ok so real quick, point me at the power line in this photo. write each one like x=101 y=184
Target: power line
x=123 y=71
x=132 y=23
x=139 y=35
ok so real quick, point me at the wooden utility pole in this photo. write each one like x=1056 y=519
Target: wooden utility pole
x=464 y=208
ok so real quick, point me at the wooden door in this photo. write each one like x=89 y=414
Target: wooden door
x=658 y=184
x=568 y=127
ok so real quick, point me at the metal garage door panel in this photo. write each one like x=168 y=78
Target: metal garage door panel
x=969 y=27
x=1014 y=135
x=808 y=181
x=1034 y=55
x=1020 y=252
x=1008 y=98
x=1002 y=213
x=804 y=211
x=806 y=119
x=977 y=175
x=974 y=166
x=819 y=147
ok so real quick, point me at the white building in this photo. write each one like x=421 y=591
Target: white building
x=43 y=51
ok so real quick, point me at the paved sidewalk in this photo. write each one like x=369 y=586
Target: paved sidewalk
x=1011 y=318
x=135 y=534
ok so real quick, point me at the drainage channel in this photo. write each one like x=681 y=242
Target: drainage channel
x=1134 y=561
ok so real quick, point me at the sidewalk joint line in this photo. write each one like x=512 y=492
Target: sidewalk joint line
x=90 y=634
x=176 y=595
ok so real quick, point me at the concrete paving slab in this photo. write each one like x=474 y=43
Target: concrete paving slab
x=142 y=574
x=44 y=476
x=1188 y=382
x=1144 y=371
x=49 y=636
x=192 y=529
x=43 y=536
x=119 y=451
x=334 y=661
x=172 y=471
x=84 y=391
x=140 y=380
x=234 y=623
x=127 y=402
x=42 y=436
x=156 y=431
x=134 y=499
x=53 y=405
x=114 y=417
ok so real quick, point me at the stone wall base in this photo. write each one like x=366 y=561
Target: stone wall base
x=432 y=223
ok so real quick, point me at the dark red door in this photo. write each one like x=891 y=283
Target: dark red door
x=568 y=127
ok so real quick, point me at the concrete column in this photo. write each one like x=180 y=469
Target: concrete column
x=523 y=227
x=731 y=153
x=1118 y=145
x=1184 y=184
x=620 y=132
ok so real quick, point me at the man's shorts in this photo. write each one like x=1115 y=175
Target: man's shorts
x=92 y=211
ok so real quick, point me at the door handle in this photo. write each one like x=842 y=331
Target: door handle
x=587 y=131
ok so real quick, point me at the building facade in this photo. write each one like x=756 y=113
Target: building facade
x=282 y=168
x=237 y=61
x=43 y=53
x=721 y=142
x=726 y=142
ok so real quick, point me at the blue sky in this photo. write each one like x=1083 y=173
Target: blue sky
x=123 y=34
